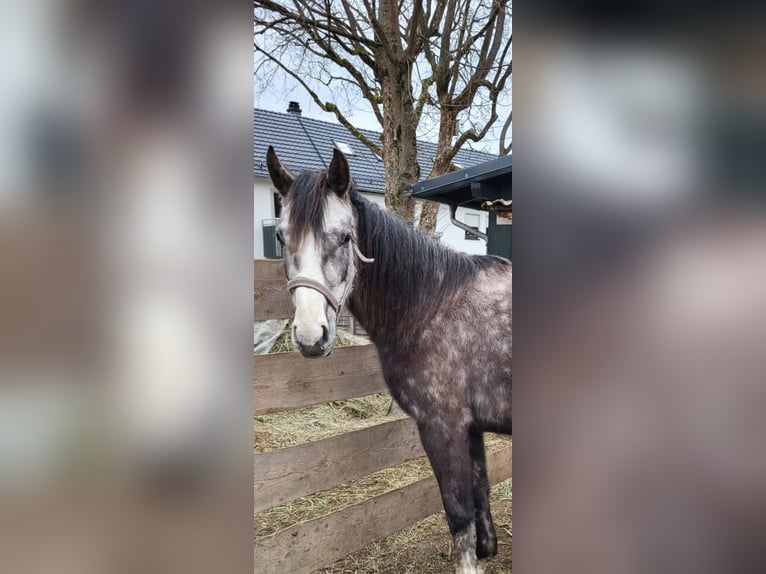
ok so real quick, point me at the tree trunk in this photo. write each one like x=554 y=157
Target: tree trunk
x=444 y=152
x=442 y=164
x=399 y=148
x=428 y=217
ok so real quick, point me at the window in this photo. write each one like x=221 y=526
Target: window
x=471 y=219
x=344 y=147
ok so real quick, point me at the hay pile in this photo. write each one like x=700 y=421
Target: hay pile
x=343 y=338
x=280 y=430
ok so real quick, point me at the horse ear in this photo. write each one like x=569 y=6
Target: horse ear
x=280 y=175
x=338 y=177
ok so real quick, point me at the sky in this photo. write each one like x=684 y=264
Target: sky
x=285 y=89
x=361 y=118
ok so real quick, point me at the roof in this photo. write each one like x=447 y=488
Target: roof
x=306 y=143
x=471 y=186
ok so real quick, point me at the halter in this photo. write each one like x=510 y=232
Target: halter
x=293 y=284
x=316 y=286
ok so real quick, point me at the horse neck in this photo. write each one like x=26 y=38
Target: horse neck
x=406 y=283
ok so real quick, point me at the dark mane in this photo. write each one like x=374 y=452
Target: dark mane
x=308 y=199
x=413 y=276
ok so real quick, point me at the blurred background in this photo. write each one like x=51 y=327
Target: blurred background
x=126 y=274
x=640 y=273
x=126 y=269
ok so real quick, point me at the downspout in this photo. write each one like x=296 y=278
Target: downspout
x=463 y=226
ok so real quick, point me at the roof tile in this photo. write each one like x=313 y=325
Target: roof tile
x=306 y=143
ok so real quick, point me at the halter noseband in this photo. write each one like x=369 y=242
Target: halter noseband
x=316 y=286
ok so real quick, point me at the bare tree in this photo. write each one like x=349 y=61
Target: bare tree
x=469 y=67
x=413 y=62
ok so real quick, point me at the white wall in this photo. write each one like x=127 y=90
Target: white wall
x=455 y=237
x=451 y=235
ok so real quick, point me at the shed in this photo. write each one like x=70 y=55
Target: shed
x=486 y=186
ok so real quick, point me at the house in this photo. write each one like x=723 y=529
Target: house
x=305 y=143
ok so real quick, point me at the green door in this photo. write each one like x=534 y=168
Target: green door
x=499 y=236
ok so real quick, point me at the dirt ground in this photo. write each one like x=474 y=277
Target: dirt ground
x=423 y=548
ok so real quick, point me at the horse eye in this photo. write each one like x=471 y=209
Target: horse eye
x=346 y=239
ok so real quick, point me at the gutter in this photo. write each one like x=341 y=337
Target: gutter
x=463 y=226
x=448 y=182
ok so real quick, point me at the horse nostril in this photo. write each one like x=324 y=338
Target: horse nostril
x=325 y=334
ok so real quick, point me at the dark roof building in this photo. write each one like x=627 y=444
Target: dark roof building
x=306 y=143
x=474 y=187
x=486 y=186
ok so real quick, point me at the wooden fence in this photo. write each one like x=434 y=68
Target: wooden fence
x=286 y=381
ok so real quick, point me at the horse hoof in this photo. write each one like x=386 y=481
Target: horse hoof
x=486 y=547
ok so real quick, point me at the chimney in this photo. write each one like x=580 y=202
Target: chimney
x=294 y=108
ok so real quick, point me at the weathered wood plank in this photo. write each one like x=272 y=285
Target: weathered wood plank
x=287 y=381
x=289 y=473
x=271 y=300
x=310 y=545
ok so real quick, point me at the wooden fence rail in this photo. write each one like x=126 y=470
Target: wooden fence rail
x=289 y=473
x=288 y=381
x=307 y=546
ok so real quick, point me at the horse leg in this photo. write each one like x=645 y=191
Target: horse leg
x=449 y=452
x=486 y=539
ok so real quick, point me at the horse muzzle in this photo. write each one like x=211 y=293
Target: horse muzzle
x=312 y=333
x=313 y=342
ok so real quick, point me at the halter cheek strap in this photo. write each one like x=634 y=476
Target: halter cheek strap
x=316 y=286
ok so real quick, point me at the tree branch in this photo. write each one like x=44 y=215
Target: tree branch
x=505 y=150
x=332 y=24
x=325 y=106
